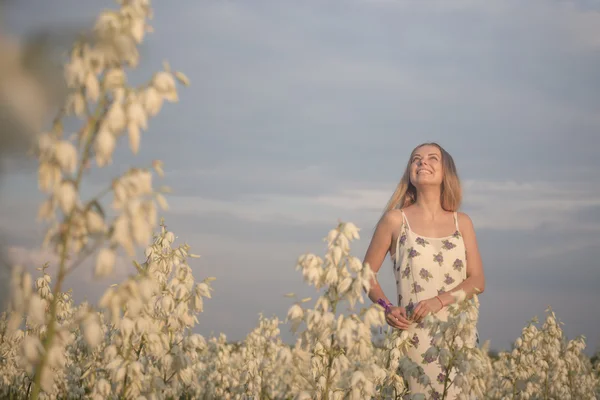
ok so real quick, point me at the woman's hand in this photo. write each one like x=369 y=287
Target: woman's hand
x=426 y=307
x=396 y=318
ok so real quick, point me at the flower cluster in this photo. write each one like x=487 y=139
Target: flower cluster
x=139 y=342
x=543 y=364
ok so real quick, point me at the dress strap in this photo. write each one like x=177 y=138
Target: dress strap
x=400 y=233
x=397 y=253
x=405 y=219
x=456 y=220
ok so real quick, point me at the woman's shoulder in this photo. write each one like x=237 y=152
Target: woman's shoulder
x=464 y=220
x=391 y=218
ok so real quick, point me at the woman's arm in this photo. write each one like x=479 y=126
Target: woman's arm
x=378 y=248
x=475 y=282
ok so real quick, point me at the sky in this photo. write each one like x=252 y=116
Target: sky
x=301 y=114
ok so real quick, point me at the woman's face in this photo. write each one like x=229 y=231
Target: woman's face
x=426 y=166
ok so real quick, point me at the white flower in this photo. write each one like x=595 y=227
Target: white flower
x=152 y=100
x=104 y=146
x=134 y=136
x=37 y=310
x=350 y=231
x=66 y=155
x=331 y=276
x=92 y=87
x=182 y=78
x=336 y=255
x=116 y=120
x=138 y=28
x=114 y=77
x=344 y=285
x=66 y=196
x=295 y=312
x=92 y=332
x=136 y=114
x=105 y=262
x=32 y=348
x=165 y=84
x=94 y=221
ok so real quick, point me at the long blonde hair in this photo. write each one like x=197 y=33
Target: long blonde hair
x=451 y=193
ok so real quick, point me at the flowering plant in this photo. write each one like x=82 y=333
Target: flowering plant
x=138 y=341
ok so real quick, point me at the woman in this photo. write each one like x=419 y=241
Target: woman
x=433 y=248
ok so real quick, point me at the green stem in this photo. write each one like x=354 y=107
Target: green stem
x=62 y=272
x=330 y=358
x=124 y=392
x=448 y=369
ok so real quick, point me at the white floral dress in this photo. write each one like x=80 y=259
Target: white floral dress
x=425 y=267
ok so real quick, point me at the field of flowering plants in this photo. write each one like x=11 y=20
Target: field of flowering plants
x=138 y=342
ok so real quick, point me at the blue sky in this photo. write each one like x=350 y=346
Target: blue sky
x=303 y=113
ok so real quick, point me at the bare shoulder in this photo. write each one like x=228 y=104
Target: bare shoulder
x=465 y=222
x=389 y=223
x=391 y=218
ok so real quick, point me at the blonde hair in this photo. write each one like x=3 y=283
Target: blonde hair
x=451 y=193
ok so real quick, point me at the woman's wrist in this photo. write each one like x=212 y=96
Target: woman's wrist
x=447 y=298
x=387 y=306
x=441 y=302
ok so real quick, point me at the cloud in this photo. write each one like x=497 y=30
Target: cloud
x=301 y=113
x=492 y=204
x=229 y=181
x=491 y=81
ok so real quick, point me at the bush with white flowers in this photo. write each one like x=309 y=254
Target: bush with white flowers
x=138 y=342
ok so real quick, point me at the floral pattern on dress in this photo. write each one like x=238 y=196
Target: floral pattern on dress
x=441 y=378
x=428 y=358
x=412 y=253
x=425 y=274
x=410 y=307
x=424 y=268
x=448 y=245
x=458 y=264
x=402 y=239
x=438 y=258
x=416 y=288
x=421 y=241
x=415 y=340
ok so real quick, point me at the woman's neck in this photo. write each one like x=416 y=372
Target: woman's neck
x=429 y=203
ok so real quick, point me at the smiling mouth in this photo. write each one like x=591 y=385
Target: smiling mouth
x=423 y=172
